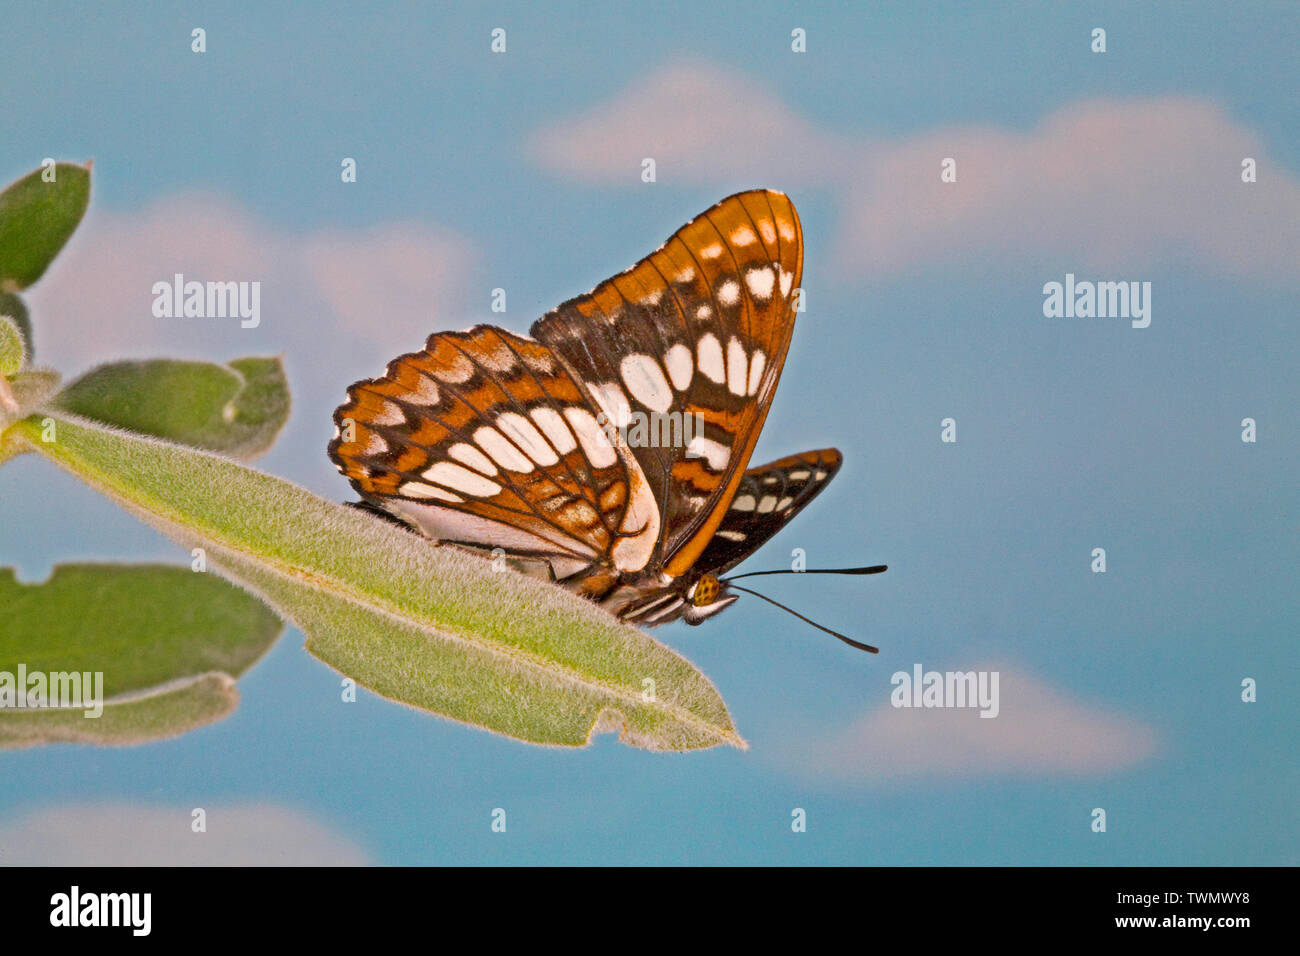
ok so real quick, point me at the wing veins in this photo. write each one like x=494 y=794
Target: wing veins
x=587 y=492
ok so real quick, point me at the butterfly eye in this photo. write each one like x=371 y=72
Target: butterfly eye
x=706 y=591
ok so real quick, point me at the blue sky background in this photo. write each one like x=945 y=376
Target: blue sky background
x=1073 y=434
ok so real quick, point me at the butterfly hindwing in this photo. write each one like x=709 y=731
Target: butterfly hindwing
x=768 y=497
x=484 y=439
x=695 y=334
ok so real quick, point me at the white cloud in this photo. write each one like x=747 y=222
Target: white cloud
x=699 y=123
x=1039 y=732
x=333 y=290
x=1117 y=185
x=402 y=274
x=135 y=835
x=1122 y=185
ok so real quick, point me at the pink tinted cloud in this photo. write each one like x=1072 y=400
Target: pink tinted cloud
x=1107 y=184
x=699 y=123
x=1100 y=184
x=1040 y=731
x=389 y=283
x=147 y=835
x=400 y=271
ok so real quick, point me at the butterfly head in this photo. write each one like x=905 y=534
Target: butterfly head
x=707 y=597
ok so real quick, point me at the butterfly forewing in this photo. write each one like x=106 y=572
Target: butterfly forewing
x=689 y=341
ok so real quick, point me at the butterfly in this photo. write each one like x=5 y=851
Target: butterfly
x=609 y=450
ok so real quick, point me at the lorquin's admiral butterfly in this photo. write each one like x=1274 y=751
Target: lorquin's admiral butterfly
x=493 y=442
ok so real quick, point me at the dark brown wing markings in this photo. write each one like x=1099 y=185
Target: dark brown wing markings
x=629 y=314
x=584 y=484
x=510 y=398
x=475 y=396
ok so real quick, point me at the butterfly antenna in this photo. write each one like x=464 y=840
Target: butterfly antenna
x=847 y=640
x=873 y=569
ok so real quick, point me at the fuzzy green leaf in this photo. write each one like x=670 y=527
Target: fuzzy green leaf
x=13 y=349
x=13 y=306
x=36 y=219
x=236 y=409
x=416 y=623
x=170 y=712
x=168 y=641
